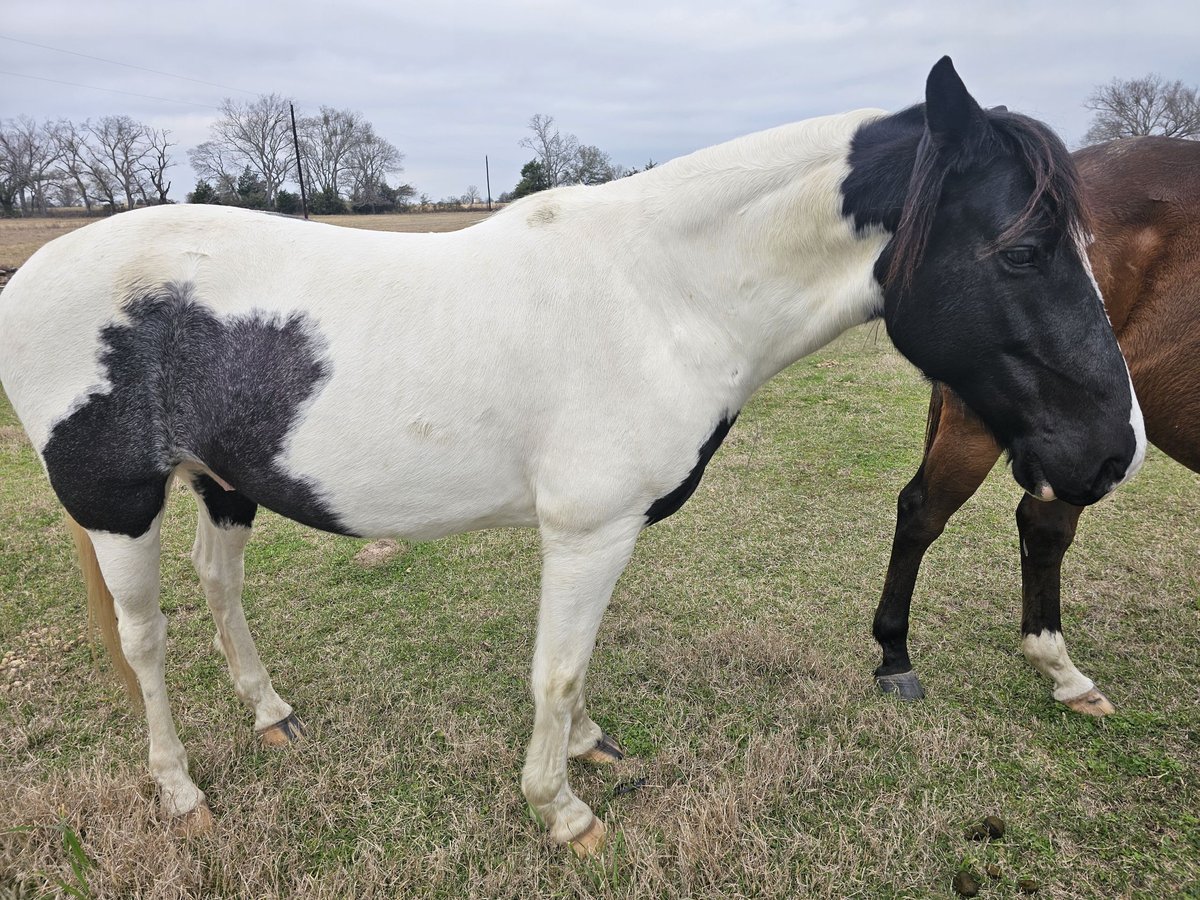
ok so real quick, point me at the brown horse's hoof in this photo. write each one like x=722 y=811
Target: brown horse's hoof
x=191 y=824
x=606 y=752
x=1093 y=703
x=591 y=841
x=282 y=734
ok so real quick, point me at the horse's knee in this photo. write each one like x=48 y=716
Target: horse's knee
x=1046 y=529
x=915 y=526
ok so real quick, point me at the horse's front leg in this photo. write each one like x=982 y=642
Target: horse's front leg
x=579 y=570
x=1047 y=530
x=959 y=453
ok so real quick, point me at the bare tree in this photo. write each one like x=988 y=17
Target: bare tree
x=118 y=145
x=156 y=161
x=214 y=162
x=555 y=151
x=10 y=176
x=369 y=163
x=326 y=142
x=30 y=155
x=471 y=197
x=1148 y=105
x=71 y=142
x=257 y=134
x=66 y=193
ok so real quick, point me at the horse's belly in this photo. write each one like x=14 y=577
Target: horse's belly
x=380 y=480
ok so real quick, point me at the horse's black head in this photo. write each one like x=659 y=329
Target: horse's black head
x=987 y=288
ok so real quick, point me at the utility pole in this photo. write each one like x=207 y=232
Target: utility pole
x=487 y=172
x=299 y=166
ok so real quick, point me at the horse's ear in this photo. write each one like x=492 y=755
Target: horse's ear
x=951 y=113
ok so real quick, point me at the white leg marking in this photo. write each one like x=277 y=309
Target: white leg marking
x=219 y=555
x=131 y=569
x=578 y=574
x=1047 y=652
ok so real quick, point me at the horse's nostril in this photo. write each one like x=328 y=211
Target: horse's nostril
x=1112 y=470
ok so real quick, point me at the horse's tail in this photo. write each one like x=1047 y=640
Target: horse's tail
x=935 y=413
x=102 y=614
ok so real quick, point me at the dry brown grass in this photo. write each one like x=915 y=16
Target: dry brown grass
x=734 y=665
x=20 y=238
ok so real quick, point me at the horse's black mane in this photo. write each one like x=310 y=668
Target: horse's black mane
x=909 y=211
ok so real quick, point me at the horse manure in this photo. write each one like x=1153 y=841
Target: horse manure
x=991 y=828
x=993 y=870
x=628 y=787
x=965 y=884
x=1028 y=886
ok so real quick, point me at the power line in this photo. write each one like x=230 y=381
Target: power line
x=92 y=87
x=127 y=65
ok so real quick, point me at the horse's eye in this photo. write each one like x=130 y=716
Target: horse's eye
x=1020 y=256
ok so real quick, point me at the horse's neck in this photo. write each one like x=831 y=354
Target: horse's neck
x=750 y=242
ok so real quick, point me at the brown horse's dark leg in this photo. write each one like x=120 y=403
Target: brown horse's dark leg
x=959 y=453
x=1047 y=530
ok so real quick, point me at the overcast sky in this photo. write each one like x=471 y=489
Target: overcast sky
x=448 y=82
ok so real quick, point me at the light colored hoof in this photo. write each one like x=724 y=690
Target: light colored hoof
x=591 y=841
x=1093 y=703
x=605 y=753
x=191 y=824
x=282 y=734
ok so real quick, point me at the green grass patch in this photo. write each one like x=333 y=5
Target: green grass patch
x=734 y=663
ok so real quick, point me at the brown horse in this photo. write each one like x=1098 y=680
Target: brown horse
x=1144 y=195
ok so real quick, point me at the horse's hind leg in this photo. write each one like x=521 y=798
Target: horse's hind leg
x=578 y=574
x=222 y=530
x=1047 y=530
x=130 y=566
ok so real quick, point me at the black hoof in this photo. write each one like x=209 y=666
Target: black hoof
x=906 y=685
x=293 y=727
x=604 y=752
x=610 y=748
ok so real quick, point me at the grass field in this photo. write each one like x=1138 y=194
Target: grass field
x=734 y=663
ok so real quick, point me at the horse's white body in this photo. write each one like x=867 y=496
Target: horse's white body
x=557 y=365
x=580 y=344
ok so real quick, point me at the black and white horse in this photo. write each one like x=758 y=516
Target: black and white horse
x=569 y=364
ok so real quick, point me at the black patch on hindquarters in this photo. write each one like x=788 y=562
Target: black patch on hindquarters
x=225 y=508
x=187 y=385
x=670 y=503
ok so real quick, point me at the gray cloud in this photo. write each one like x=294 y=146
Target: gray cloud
x=450 y=82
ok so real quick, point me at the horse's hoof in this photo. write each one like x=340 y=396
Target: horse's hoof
x=606 y=752
x=281 y=734
x=591 y=841
x=196 y=822
x=1093 y=703
x=905 y=685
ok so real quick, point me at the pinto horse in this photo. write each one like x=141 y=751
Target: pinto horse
x=569 y=364
x=1144 y=196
